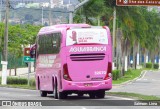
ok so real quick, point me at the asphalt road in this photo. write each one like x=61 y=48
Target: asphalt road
x=148 y=84
x=73 y=102
x=25 y=94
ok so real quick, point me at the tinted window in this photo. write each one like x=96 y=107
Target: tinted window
x=49 y=43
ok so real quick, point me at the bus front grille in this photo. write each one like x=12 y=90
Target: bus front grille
x=87 y=57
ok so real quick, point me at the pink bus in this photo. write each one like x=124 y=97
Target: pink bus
x=73 y=58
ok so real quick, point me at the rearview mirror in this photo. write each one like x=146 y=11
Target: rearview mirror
x=33 y=51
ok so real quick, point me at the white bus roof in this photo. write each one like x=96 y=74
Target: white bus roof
x=49 y=29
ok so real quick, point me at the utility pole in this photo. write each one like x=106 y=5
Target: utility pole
x=50 y=20
x=113 y=37
x=98 y=18
x=138 y=55
x=42 y=15
x=72 y=9
x=1 y=12
x=5 y=49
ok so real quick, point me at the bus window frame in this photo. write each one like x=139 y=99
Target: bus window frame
x=60 y=42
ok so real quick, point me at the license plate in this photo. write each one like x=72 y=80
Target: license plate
x=88 y=84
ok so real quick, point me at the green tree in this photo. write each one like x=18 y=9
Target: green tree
x=19 y=36
x=137 y=25
x=90 y=11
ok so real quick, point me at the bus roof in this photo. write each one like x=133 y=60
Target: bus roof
x=59 y=27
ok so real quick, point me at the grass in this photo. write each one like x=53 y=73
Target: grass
x=129 y=75
x=150 y=69
x=19 y=86
x=133 y=95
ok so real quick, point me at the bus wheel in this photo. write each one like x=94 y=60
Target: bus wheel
x=56 y=96
x=92 y=95
x=100 y=94
x=43 y=93
x=62 y=95
x=59 y=95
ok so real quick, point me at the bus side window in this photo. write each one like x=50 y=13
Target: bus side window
x=38 y=46
x=56 y=42
x=49 y=43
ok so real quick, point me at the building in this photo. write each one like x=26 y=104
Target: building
x=28 y=1
x=52 y=3
x=56 y=3
x=25 y=3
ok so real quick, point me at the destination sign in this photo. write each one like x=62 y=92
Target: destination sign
x=138 y=2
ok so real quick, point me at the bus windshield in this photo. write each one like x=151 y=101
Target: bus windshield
x=86 y=36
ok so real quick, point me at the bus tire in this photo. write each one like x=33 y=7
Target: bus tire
x=62 y=95
x=38 y=82
x=100 y=94
x=56 y=96
x=43 y=93
x=59 y=95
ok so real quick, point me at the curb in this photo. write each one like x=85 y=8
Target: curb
x=26 y=73
x=130 y=81
x=8 y=86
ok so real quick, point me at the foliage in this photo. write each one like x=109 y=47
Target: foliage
x=134 y=95
x=155 y=66
x=32 y=82
x=148 y=65
x=20 y=81
x=19 y=36
x=129 y=75
x=138 y=25
x=1 y=34
x=115 y=74
x=90 y=11
x=16 y=80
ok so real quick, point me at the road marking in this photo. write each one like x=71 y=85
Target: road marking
x=113 y=98
x=30 y=95
x=84 y=108
x=10 y=88
x=143 y=75
x=155 y=80
x=120 y=98
x=5 y=93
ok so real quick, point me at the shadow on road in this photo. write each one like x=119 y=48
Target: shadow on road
x=84 y=97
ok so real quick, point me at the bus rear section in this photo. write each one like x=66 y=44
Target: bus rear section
x=87 y=66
